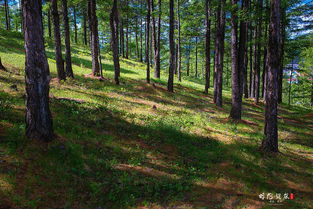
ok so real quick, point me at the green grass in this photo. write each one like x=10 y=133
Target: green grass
x=114 y=150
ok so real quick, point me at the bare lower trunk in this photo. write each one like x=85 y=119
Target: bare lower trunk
x=270 y=142
x=37 y=76
x=157 y=51
x=170 y=84
x=235 y=112
x=94 y=38
x=196 y=67
x=57 y=41
x=207 y=45
x=178 y=43
x=219 y=59
x=7 y=15
x=148 y=40
x=114 y=41
x=85 y=29
x=49 y=22
x=75 y=26
x=68 y=59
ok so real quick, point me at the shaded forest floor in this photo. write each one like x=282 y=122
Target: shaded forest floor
x=138 y=146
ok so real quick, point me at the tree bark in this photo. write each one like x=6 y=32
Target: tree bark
x=49 y=22
x=75 y=25
x=68 y=59
x=137 y=45
x=207 y=46
x=57 y=40
x=141 y=42
x=94 y=38
x=281 y=51
x=148 y=40
x=178 y=43
x=258 y=52
x=122 y=41
x=37 y=76
x=85 y=29
x=114 y=41
x=235 y=112
x=196 y=66
x=219 y=59
x=170 y=84
x=1 y=66
x=270 y=142
x=7 y=15
x=158 y=49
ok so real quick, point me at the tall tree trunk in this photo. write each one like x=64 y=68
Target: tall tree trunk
x=188 y=57
x=170 y=84
x=94 y=38
x=219 y=59
x=270 y=142
x=122 y=48
x=49 y=22
x=68 y=59
x=290 y=82
x=37 y=75
x=148 y=40
x=235 y=112
x=258 y=53
x=207 y=46
x=127 y=39
x=158 y=48
x=264 y=70
x=281 y=51
x=141 y=42
x=57 y=40
x=7 y=15
x=250 y=60
x=196 y=67
x=85 y=29
x=136 y=34
x=178 y=43
x=153 y=36
x=75 y=25
x=114 y=41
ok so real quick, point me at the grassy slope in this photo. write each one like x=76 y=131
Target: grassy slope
x=114 y=150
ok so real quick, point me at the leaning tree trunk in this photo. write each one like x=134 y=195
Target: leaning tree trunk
x=207 y=46
x=235 y=112
x=68 y=59
x=148 y=40
x=270 y=142
x=94 y=38
x=114 y=41
x=220 y=35
x=57 y=40
x=37 y=76
x=170 y=83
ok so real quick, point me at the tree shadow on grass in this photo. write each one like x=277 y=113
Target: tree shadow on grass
x=101 y=160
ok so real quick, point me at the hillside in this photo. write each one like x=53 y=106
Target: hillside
x=138 y=146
